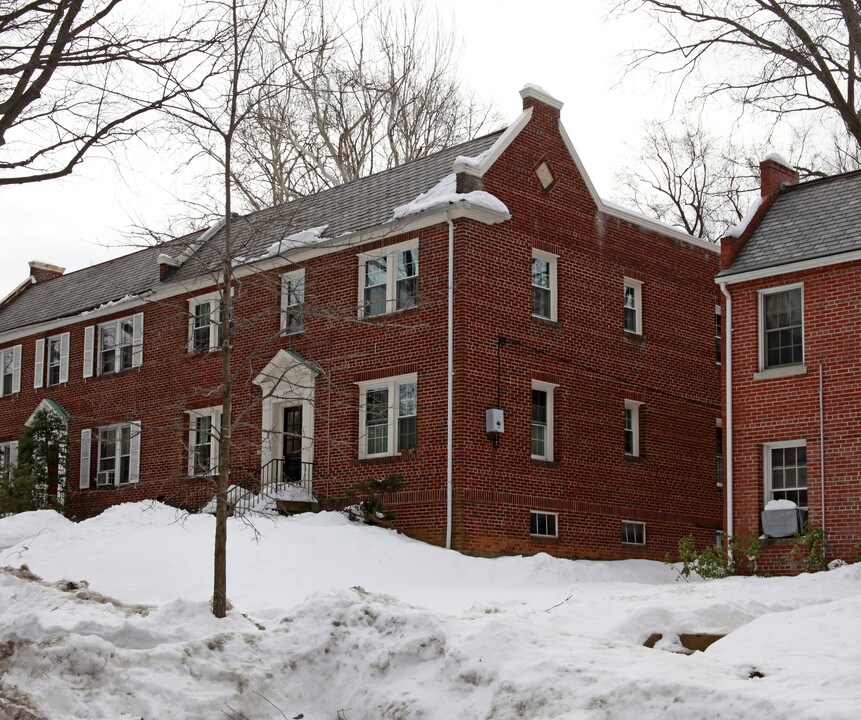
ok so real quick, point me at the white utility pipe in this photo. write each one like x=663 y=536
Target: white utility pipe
x=821 y=448
x=728 y=364
x=449 y=463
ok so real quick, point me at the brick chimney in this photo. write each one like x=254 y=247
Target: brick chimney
x=534 y=96
x=41 y=272
x=773 y=172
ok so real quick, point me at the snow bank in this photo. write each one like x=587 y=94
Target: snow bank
x=443 y=194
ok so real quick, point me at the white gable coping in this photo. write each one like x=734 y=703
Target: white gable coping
x=530 y=90
x=482 y=164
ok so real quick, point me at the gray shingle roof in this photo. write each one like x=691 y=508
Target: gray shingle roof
x=347 y=208
x=811 y=220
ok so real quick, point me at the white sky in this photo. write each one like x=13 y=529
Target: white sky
x=567 y=47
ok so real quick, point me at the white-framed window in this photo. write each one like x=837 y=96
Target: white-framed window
x=633 y=307
x=204 y=434
x=632 y=427
x=633 y=532
x=293 y=302
x=781 y=327
x=543 y=524
x=10 y=371
x=785 y=465
x=719 y=451
x=52 y=361
x=544 y=285
x=204 y=322
x=389 y=279
x=542 y=420
x=8 y=456
x=119 y=345
x=718 y=334
x=388 y=413
x=118 y=459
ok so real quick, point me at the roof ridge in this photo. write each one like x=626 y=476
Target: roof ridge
x=818 y=180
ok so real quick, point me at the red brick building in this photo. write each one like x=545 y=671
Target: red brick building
x=791 y=305
x=375 y=325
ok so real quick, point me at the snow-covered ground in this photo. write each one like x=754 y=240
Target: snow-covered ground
x=333 y=620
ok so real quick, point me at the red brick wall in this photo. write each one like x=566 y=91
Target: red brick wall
x=777 y=409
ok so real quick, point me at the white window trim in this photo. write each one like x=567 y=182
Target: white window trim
x=214 y=413
x=134 y=451
x=390 y=252
x=637 y=285
x=634 y=522
x=719 y=313
x=719 y=424
x=766 y=463
x=634 y=407
x=137 y=321
x=45 y=357
x=291 y=277
x=553 y=261
x=549 y=388
x=214 y=319
x=781 y=370
x=391 y=384
x=555 y=524
x=11 y=448
x=16 y=369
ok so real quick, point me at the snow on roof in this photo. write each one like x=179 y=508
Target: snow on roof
x=299 y=239
x=445 y=193
x=779 y=159
x=736 y=230
x=472 y=162
x=539 y=93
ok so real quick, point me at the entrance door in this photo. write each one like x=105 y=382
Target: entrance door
x=291 y=449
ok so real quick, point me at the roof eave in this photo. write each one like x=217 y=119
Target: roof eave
x=730 y=278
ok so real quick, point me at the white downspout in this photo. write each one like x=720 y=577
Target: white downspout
x=821 y=447
x=449 y=441
x=728 y=364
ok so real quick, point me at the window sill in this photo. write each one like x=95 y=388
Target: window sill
x=393 y=313
x=544 y=462
x=780 y=372
x=545 y=538
x=633 y=546
x=782 y=542
x=549 y=322
x=406 y=455
x=635 y=459
x=631 y=335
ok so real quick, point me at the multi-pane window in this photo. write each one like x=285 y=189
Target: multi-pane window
x=632 y=309
x=782 y=329
x=632 y=427
x=203 y=438
x=542 y=420
x=389 y=279
x=718 y=335
x=719 y=454
x=8 y=457
x=116 y=346
x=293 y=302
x=544 y=285
x=786 y=472
x=633 y=533
x=54 y=361
x=388 y=415
x=543 y=524
x=114 y=455
x=205 y=331
x=10 y=367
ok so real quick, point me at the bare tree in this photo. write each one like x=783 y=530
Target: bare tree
x=77 y=74
x=686 y=177
x=791 y=57
x=354 y=93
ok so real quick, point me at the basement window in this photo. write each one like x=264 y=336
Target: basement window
x=633 y=533
x=543 y=524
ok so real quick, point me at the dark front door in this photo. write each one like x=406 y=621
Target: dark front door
x=291 y=450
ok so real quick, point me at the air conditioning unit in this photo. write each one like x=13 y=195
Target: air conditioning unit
x=106 y=477
x=783 y=518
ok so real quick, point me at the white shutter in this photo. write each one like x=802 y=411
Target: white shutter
x=137 y=340
x=216 y=443
x=135 y=452
x=16 y=369
x=39 y=366
x=64 y=357
x=89 y=342
x=86 y=442
x=13 y=453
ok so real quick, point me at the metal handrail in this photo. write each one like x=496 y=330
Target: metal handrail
x=274 y=476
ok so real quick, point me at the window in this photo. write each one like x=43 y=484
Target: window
x=203 y=438
x=10 y=367
x=388 y=411
x=719 y=452
x=633 y=533
x=633 y=309
x=119 y=454
x=52 y=361
x=205 y=322
x=543 y=524
x=389 y=279
x=120 y=345
x=718 y=335
x=8 y=456
x=785 y=466
x=781 y=327
x=293 y=302
x=632 y=427
x=544 y=303
x=542 y=420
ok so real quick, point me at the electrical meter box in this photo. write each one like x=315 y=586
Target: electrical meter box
x=495 y=421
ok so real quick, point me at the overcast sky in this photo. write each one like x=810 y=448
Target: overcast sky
x=566 y=47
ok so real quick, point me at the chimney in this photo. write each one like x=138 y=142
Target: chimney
x=165 y=265
x=773 y=172
x=41 y=272
x=537 y=97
